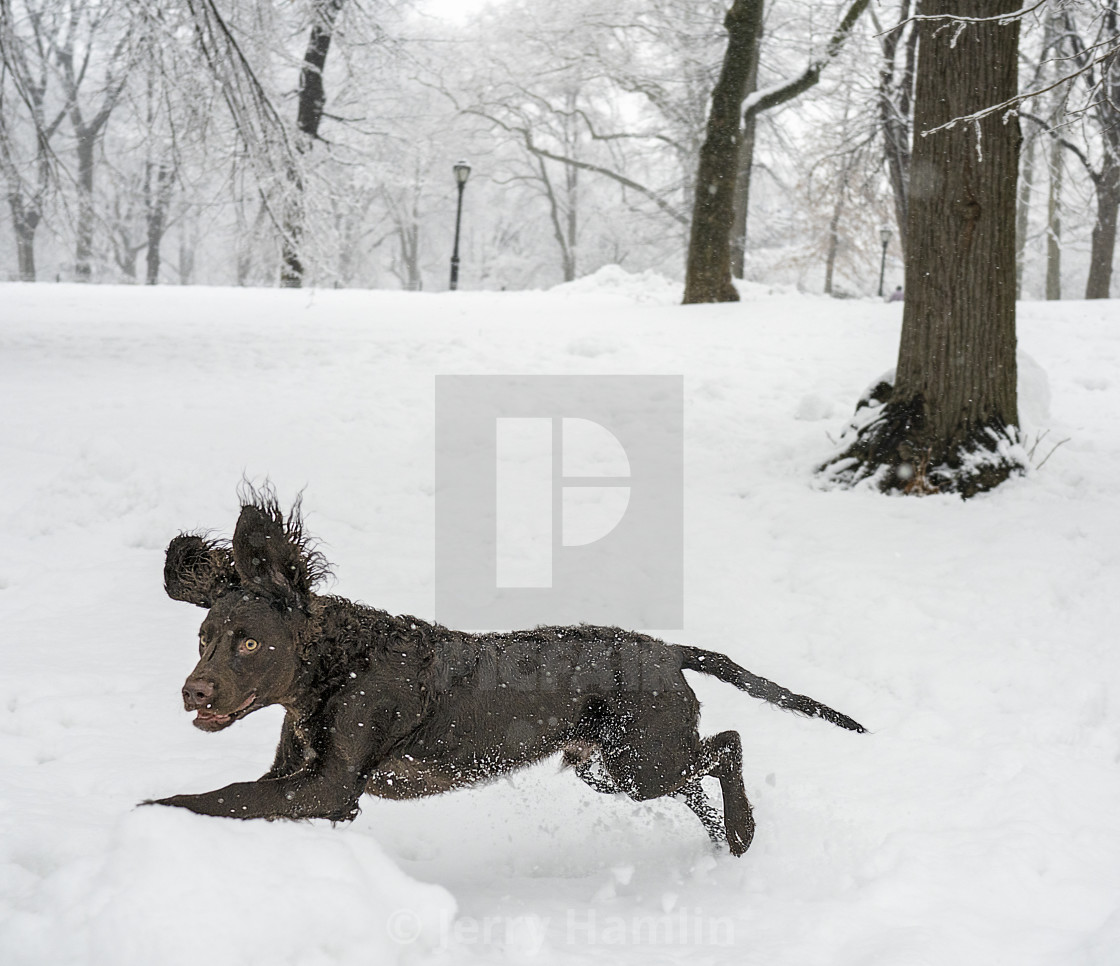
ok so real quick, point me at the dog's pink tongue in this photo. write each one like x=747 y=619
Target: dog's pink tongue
x=210 y=716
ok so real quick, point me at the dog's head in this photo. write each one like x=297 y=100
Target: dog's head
x=256 y=591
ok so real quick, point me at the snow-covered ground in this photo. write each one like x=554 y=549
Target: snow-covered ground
x=975 y=824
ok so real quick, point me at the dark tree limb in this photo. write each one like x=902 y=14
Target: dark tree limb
x=708 y=270
x=771 y=97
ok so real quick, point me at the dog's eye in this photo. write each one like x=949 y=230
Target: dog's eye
x=250 y=644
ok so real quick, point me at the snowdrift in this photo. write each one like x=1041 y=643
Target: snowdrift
x=975 y=824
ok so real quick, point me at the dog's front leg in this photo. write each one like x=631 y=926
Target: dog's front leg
x=329 y=789
x=301 y=796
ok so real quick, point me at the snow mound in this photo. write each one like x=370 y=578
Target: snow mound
x=176 y=888
x=647 y=286
x=813 y=407
x=1034 y=393
x=753 y=291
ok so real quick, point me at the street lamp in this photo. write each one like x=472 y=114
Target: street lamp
x=462 y=172
x=885 y=238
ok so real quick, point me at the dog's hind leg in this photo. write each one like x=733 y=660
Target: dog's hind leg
x=590 y=770
x=645 y=773
x=725 y=752
x=588 y=766
x=694 y=796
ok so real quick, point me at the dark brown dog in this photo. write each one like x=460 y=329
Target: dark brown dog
x=399 y=708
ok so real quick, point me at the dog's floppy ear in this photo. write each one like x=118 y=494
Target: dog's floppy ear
x=198 y=571
x=270 y=553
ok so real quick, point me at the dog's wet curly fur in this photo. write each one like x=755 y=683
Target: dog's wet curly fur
x=397 y=707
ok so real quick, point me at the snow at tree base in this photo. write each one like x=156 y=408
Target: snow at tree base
x=974 y=824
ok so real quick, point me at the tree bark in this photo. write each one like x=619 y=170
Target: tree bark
x=746 y=159
x=309 y=114
x=1105 y=101
x=83 y=251
x=1104 y=231
x=833 y=244
x=1054 y=225
x=708 y=274
x=950 y=422
x=1022 y=216
x=894 y=113
x=25 y=253
x=834 y=221
x=156 y=199
x=25 y=219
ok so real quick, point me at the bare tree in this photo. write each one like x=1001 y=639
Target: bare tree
x=309 y=115
x=949 y=422
x=708 y=270
x=403 y=203
x=26 y=54
x=1102 y=77
x=896 y=89
x=73 y=52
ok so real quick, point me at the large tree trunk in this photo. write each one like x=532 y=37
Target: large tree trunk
x=708 y=273
x=746 y=160
x=950 y=421
x=1104 y=230
x=309 y=113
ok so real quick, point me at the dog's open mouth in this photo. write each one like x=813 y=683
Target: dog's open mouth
x=209 y=720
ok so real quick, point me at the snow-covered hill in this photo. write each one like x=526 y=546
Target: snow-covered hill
x=976 y=824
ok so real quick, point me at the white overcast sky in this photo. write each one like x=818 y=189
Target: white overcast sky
x=457 y=10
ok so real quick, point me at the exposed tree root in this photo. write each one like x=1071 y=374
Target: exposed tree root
x=890 y=445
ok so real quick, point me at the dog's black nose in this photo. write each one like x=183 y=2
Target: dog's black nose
x=197 y=693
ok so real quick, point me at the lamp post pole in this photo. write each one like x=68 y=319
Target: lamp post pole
x=885 y=238
x=462 y=172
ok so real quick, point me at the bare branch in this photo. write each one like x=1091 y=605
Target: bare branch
x=787 y=90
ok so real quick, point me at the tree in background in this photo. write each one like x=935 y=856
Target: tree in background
x=28 y=171
x=309 y=115
x=1101 y=74
x=584 y=124
x=896 y=90
x=73 y=54
x=708 y=266
x=949 y=422
x=708 y=272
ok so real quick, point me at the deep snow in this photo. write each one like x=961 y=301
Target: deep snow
x=977 y=823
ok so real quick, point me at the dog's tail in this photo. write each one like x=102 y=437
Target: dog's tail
x=722 y=667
